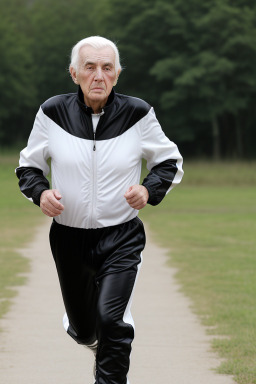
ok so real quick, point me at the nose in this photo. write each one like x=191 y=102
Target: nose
x=98 y=74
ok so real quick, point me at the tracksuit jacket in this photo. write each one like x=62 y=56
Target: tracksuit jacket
x=97 y=240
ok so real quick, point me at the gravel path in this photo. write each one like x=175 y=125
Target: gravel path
x=170 y=347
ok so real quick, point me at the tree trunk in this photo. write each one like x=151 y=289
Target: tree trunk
x=216 y=138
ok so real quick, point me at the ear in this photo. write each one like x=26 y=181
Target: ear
x=73 y=74
x=117 y=76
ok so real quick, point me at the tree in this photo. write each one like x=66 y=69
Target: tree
x=201 y=55
x=36 y=40
x=18 y=91
x=193 y=61
x=57 y=26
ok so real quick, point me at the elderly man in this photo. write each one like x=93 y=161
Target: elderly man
x=96 y=139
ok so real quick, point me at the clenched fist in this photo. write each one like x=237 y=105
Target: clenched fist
x=137 y=196
x=49 y=203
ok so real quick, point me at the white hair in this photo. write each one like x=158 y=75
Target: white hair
x=96 y=42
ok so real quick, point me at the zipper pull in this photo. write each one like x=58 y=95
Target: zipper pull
x=94 y=141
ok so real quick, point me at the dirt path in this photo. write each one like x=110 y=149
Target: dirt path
x=170 y=347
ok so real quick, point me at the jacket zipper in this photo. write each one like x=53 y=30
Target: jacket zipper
x=94 y=175
x=94 y=180
x=94 y=140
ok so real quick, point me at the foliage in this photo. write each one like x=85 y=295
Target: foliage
x=62 y=24
x=18 y=90
x=38 y=37
x=193 y=61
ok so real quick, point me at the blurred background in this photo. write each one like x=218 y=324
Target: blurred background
x=194 y=61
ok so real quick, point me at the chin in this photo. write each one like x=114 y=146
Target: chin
x=99 y=97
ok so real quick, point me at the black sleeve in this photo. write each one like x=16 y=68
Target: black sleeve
x=159 y=180
x=32 y=182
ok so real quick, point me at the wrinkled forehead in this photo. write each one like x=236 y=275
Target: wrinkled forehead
x=105 y=55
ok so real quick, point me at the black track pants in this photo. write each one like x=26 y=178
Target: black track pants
x=97 y=269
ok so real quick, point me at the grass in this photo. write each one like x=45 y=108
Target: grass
x=209 y=225
x=18 y=219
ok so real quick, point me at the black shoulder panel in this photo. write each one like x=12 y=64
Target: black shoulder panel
x=74 y=117
x=120 y=116
x=65 y=112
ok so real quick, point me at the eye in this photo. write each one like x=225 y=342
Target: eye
x=89 y=67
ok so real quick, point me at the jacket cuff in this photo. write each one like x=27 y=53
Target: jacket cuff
x=152 y=194
x=38 y=190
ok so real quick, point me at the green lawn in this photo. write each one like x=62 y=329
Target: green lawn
x=209 y=225
x=18 y=219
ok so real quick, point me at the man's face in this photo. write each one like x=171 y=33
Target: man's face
x=96 y=74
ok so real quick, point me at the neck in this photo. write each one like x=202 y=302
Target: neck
x=96 y=106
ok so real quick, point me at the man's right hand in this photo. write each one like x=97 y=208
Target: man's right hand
x=49 y=203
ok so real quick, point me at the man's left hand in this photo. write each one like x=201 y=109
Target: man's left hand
x=137 y=196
